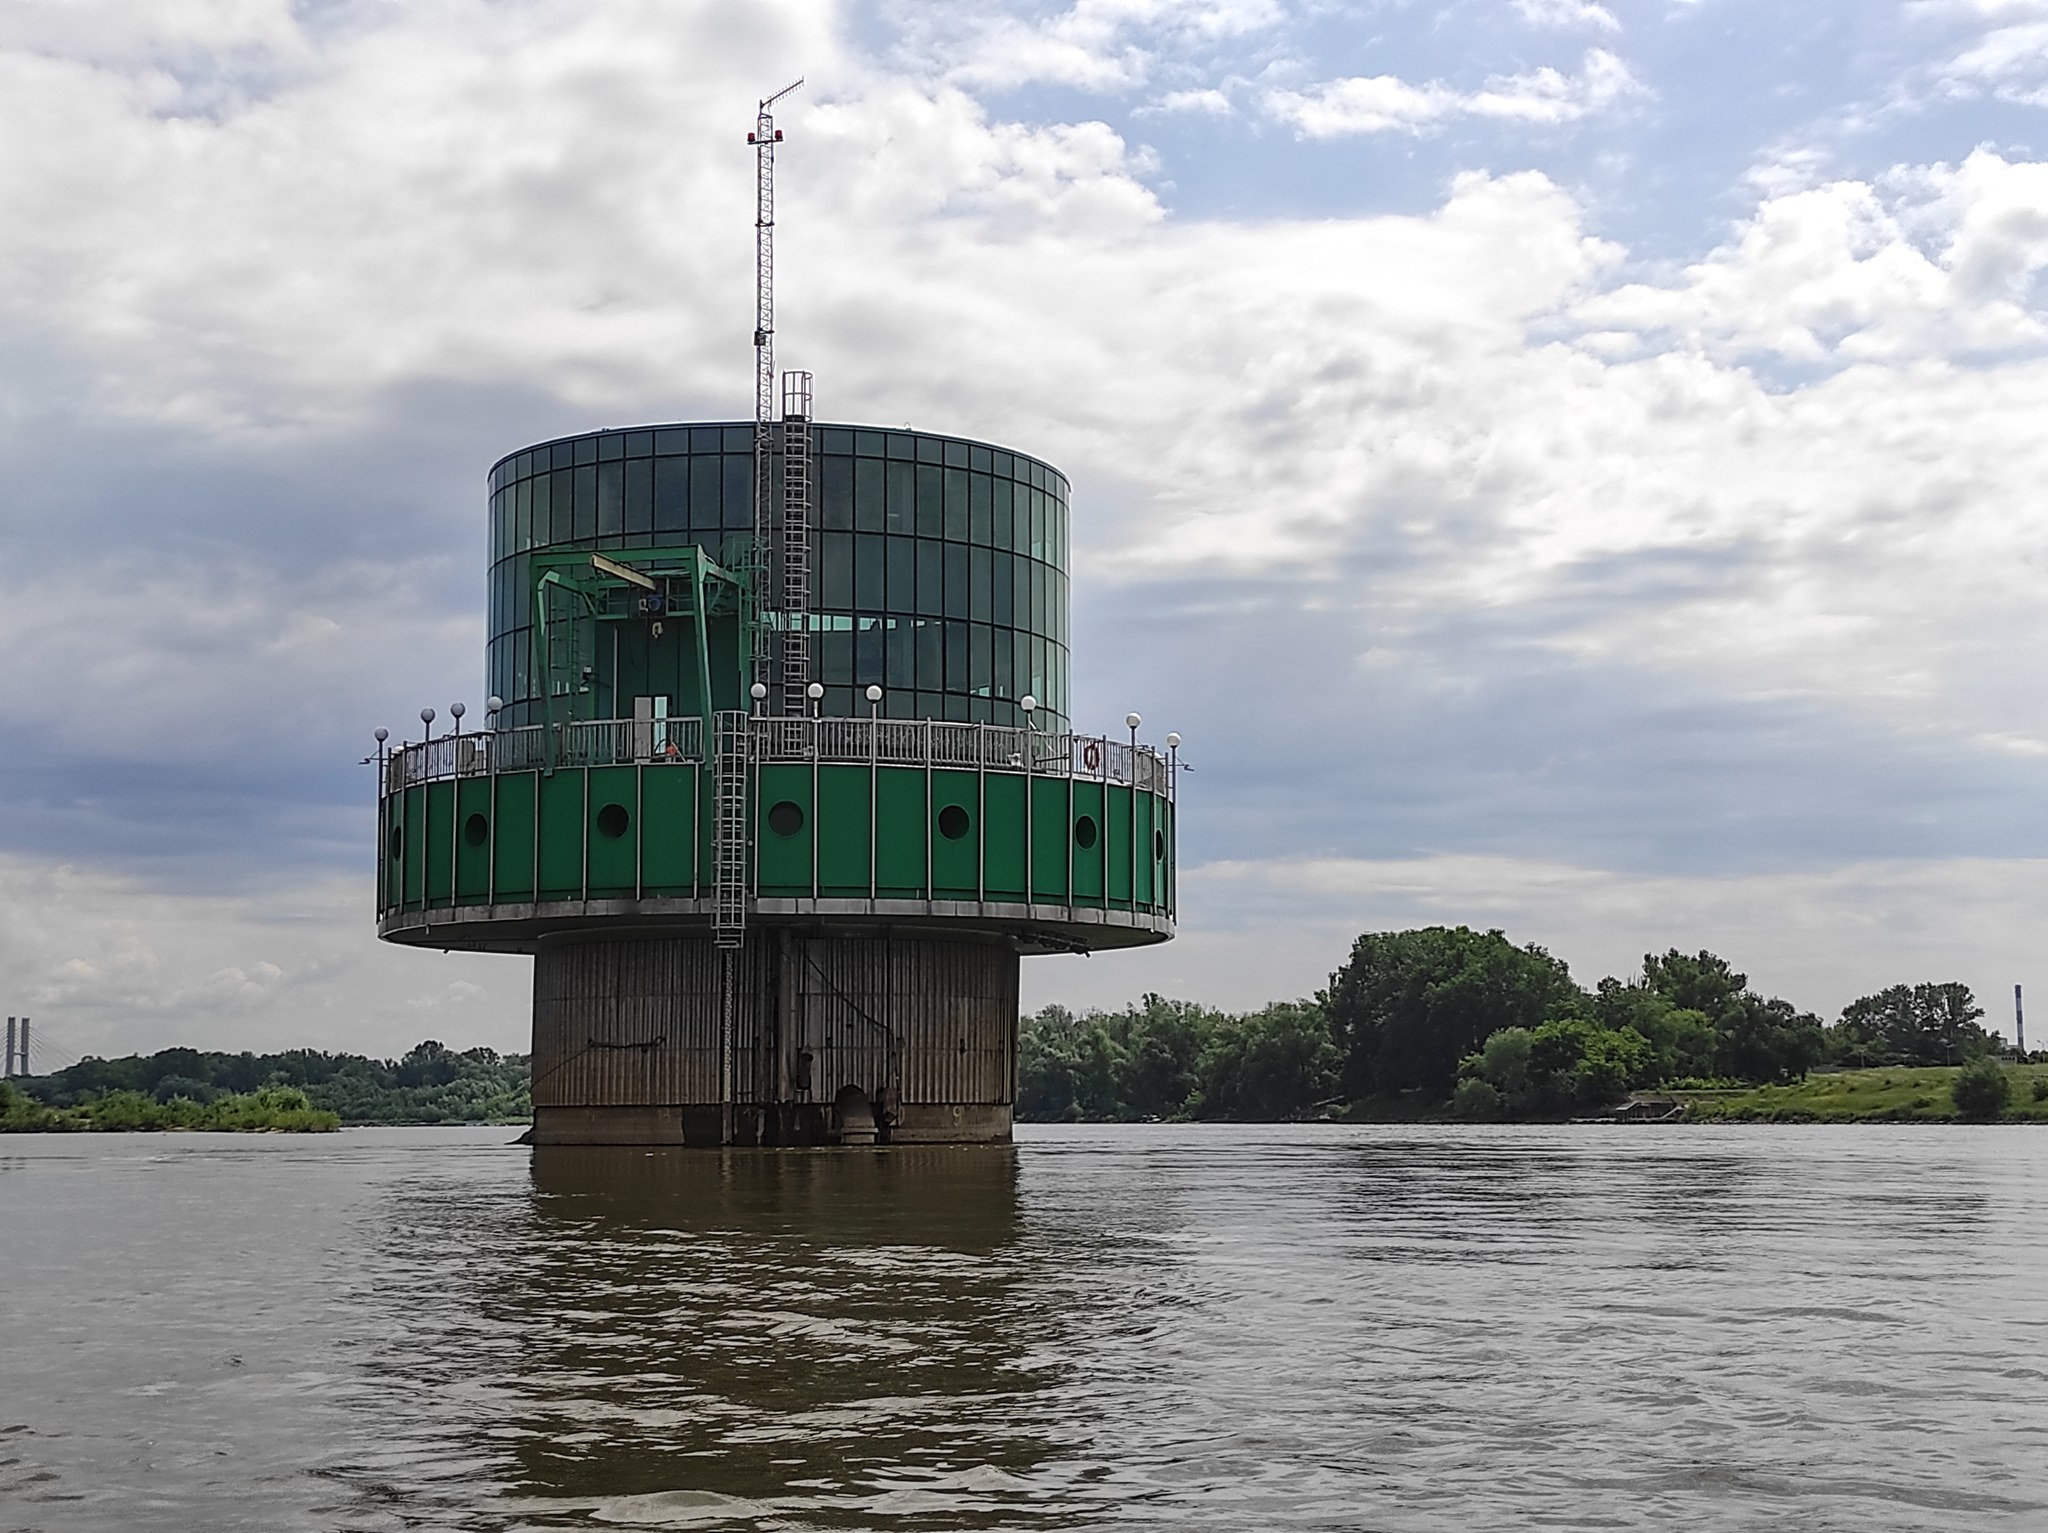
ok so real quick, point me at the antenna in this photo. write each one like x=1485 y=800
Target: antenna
x=764 y=138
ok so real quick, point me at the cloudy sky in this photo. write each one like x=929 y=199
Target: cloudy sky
x=1562 y=466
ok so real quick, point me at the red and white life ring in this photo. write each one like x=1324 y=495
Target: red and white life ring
x=1091 y=756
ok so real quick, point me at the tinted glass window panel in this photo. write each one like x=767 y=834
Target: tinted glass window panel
x=930 y=450
x=543 y=486
x=835 y=566
x=902 y=514
x=902 y=656
x=1004 y=534
x=835 y=655
x=611 y=497
x=586 y=449
x=639 y=443
x=522 y=516
x=901 y=445
x=980 y=512
x=586 y=503
x=671 y=442
x=561 y=505
x=869 y=592
x=980 y=596
x=1039 y=588
x=956 y=504
x=835 y=492
x=1003 y=643
x=869 y=444
x=867 y=653
x=979 y=459
x=956 y=455
x=671 y=494
x=956 y=580
x=902 y=574
x=739 y=439
x=931 y=656
x=869 y=514
x=706 y=486
x=931 y=578
x=1003 y=609
x=639 y=496
x=980 y=659
x=931 y=501
x=1020 y=588
x=610 y=448
x=957 y=670
x=739 y=490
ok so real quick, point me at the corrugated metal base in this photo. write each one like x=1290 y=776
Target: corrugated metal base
x=627 y=1047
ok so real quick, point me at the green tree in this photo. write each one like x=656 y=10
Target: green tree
x=1755 y=1039
x=1275 y=1064
x=1408 y=1006
x=1981 y=1089
x=1565 y=1065
x=1681 y=1040
x=1928 y=1024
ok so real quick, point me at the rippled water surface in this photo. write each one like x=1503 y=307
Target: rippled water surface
x=1205 y=1327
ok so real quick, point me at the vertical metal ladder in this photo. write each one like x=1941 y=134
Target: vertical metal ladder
x=795 y=529
x=730 y=829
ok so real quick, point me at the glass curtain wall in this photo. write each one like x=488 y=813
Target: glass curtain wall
x=938 y=567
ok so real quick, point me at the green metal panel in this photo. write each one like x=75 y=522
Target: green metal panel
x=667 y=851
x=900 y=849
x=1087 y=860
x=513 y=831
x=1002 y=837
x=473 y=852
x=390 y=852
x=561 y=835
x=955 y=860
x=415 y=844
x=1148 y=864
x=1119 y=870
x=663 y=847
x=438 y=828
x=785 y=860
x=1052 y=839
x=614 y=811
x=843 y=832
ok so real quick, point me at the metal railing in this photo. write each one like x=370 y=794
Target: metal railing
x=596 y=742
x=885 y=742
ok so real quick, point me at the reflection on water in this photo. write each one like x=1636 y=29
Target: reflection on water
x=1102 y=1328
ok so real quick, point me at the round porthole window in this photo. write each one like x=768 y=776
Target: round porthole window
x=613 y=821
x=953 y=822
x=476 y=830
x=1084 y=832
x=786 y=818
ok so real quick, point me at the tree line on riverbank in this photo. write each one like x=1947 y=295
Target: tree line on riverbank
x=296 y=1089
x=1438 y=1019
x=1414 y=1024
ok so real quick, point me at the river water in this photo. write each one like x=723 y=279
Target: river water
x=1147 y=1326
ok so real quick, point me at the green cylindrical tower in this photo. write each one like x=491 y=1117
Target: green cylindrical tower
x=777 y=814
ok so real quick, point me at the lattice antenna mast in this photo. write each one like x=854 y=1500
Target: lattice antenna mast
x=764 y=138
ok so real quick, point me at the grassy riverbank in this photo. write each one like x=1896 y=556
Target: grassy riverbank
x=273 y=1110
x=1901 y=1094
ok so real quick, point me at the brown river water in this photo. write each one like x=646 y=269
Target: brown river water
x=1104 y=1327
